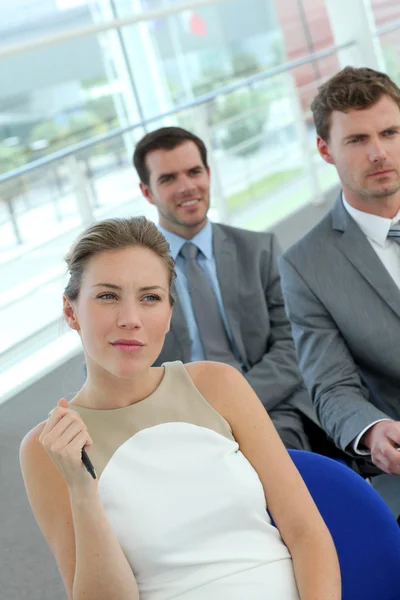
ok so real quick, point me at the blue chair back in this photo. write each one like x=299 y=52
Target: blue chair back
x=366 y=534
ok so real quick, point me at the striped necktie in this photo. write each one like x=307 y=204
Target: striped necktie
x=394 y=233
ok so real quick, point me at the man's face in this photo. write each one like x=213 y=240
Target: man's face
x=364 y=145
x=179 y=187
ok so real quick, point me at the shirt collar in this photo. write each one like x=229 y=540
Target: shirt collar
x=374 y=227
x=203 y=241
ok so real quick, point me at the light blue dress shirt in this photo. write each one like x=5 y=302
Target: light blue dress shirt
x=203 y=241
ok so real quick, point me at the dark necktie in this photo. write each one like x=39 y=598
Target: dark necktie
x=394 y=233
x=214 y=339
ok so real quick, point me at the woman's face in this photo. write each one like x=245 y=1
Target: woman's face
x=123 y=311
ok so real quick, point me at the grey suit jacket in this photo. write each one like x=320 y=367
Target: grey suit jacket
x=345 y=313
x=249 y=280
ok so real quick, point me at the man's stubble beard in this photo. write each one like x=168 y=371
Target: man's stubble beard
x=368 y=194
x=382 y=193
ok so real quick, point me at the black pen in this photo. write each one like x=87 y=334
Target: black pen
x=88 y=463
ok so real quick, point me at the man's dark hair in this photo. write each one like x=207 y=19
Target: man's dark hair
x=165 y=138
x=351 y=88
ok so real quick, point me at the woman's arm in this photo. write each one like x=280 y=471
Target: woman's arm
x=298 y=520
x=66 y=504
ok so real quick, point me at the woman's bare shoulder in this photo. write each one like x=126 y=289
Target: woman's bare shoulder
x=40 y=474
x=215 y=381
x=38 y=470
x=210 y=373
x=31 y=442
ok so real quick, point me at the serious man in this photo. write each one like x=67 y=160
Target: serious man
x=341 y=281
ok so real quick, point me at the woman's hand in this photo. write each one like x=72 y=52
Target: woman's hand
x=63 y=438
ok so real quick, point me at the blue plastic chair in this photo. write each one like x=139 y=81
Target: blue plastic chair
x=366 y=534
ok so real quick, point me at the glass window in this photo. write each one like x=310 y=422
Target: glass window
x=71 y=111
x=387 y=12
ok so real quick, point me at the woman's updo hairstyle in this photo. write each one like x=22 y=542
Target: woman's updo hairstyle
x=114 y=234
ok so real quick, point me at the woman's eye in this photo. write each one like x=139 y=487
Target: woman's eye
x=107 y=296
x=151 y=298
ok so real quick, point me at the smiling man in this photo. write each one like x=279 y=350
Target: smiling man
x=229 y=304
x=341 y=281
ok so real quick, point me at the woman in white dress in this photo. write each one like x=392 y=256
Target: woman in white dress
x=186 y=457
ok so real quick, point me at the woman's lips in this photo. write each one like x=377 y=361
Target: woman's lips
x=128 y=345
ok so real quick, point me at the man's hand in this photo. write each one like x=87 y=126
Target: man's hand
x=383 y=439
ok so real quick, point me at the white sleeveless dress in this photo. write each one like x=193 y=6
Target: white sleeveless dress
x=185 y=504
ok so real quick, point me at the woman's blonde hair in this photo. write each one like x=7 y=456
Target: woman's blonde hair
x=114 y=234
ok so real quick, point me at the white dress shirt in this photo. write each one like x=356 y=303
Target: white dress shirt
x=376 y=229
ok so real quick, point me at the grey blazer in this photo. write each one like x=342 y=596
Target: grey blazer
x=249 y=280
x=345 y=313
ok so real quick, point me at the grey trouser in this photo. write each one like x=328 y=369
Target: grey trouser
x=290 y=426
x=388 y=487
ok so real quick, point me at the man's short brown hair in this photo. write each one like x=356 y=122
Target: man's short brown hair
x=351 y=88
x=165 y=138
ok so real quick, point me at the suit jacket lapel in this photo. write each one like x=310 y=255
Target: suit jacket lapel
x=179 y=328
x=226 y=263
x=357 y=249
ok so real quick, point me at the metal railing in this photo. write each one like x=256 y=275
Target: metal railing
x=96 y=28
x=49 y=330
x=200 y=100
x=389 y=28
x=82 y=187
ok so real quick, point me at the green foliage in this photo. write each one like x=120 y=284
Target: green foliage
x=79 y=127
x=245 y=63
x=242 y=128
x=104 y=109
x=278 y=49
x=11 y=157
x=212 y=78
x=53 y=134
x=85 y=125
x=93 y=82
